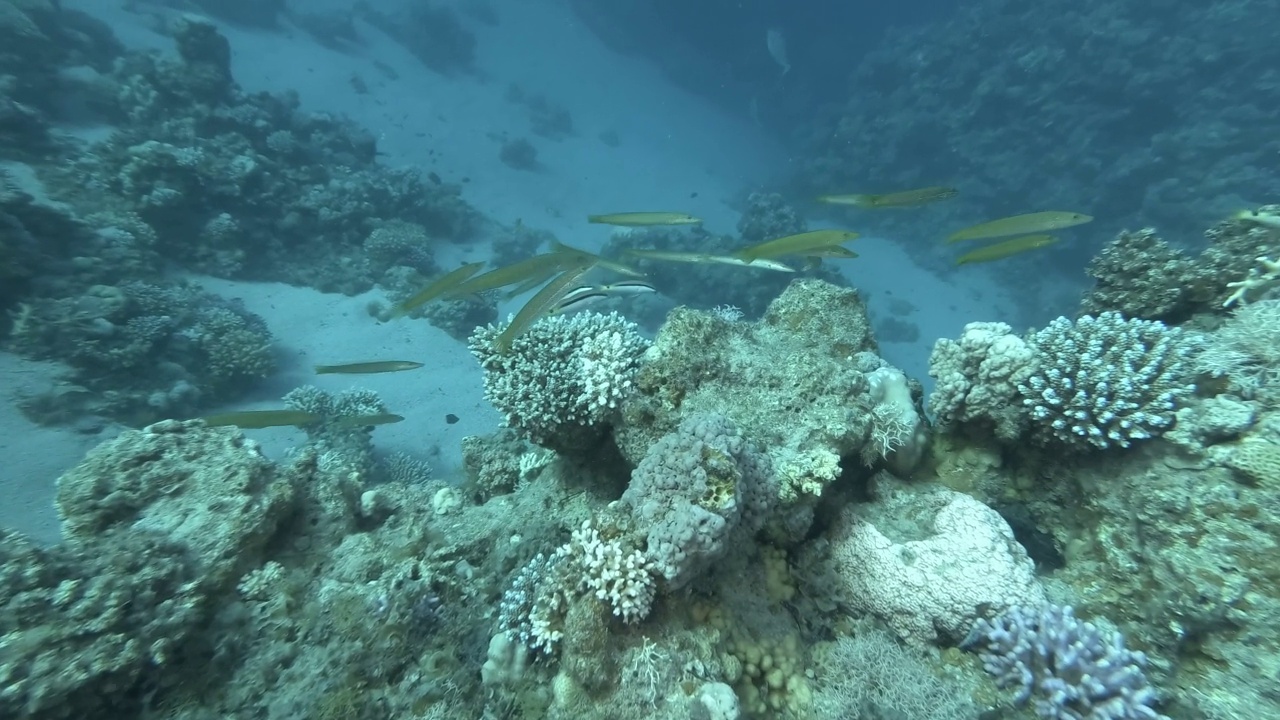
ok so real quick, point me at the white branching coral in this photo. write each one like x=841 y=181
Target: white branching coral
x=607 y=365
x=534 y=607
x=622 y=579
x=560 y=382
x=1261 y=277
x=1107 y=381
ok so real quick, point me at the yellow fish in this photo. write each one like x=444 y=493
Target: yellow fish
x=534 y=270
x=443 y=284
x=543 y=302
x=257 y=419
x=905 y=198
x=1021 y=224
x=1258 y=217
x=834 y=251
x=365 y=368
x=355 y=421
x=603 y=262
x=644 y=219
x=1007 y=248
x=798 y=244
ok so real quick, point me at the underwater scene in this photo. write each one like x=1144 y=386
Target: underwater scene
x=639 y=359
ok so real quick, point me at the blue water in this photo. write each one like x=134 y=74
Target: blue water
x=203 y=200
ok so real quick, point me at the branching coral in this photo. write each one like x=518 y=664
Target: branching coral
x=561 y=381
x=1107 y=381
x=534 y=608
x=1073 y=670
x=1244 y=350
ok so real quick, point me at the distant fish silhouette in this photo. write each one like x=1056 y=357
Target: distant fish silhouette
x=777 y=48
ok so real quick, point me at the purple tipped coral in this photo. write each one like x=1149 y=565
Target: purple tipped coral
x=1073 y=669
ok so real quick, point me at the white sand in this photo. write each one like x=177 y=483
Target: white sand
x=672 y=145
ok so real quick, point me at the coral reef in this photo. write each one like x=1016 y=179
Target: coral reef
x=1142 y=133
x=1092 y=382
x=266 y=191
x=744 y=548
x=749 y=516
x=561 y=382
x=977 y=379
x=967 y=564
x=1106 y=381
x=1073 y=669
x=141 y=351
x=42 y=42
x=696 y=491
x=1141 y=276
x=794 y=382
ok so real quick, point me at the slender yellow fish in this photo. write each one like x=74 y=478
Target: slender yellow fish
x=539 y=266
x=603 y=262
x=258 y=419
x=814 y=258
x=704 y=258
x=1259 y=218
x=834 y=251
x=352 y=421
x=367 y=368
x=644 y=219
x=435 y=289
x=905 y=198
x=1021 y=224
x=1007 y=248
x=541 y=304
x=797 y=244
